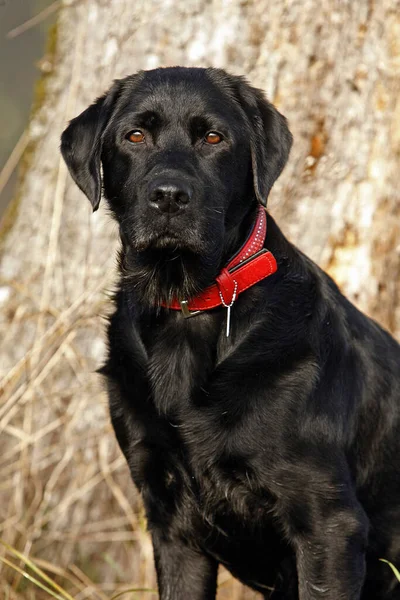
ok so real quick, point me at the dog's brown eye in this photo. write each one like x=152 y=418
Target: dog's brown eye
x=213 y=137
x=136 y=136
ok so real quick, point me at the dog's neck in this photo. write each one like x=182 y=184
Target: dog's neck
x=237 y=234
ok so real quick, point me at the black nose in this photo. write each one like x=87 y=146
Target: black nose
x=168 y=195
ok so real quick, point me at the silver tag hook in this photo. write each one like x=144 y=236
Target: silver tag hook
x=228 y=307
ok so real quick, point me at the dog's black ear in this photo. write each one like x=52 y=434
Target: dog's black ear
x=81 y=144
x=270 y=141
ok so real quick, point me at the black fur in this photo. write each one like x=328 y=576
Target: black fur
x=276 y=451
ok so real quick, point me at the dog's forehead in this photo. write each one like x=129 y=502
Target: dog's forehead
x=181 y=95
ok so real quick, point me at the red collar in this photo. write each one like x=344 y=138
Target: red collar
x=248 y=266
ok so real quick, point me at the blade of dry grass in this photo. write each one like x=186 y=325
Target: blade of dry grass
x=33 y=21
x=90 y=586
x=13 y=160
x=132 y=591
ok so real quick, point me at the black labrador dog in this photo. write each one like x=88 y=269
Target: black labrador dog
x=257 y=408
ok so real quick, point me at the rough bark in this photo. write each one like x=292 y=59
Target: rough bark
x=332 y=67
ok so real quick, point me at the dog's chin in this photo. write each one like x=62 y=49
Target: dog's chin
x=167 y=268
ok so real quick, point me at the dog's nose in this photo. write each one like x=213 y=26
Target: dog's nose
x=169 y=196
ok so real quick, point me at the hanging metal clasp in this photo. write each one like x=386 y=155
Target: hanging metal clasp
x=185 y=310
x=228 y=307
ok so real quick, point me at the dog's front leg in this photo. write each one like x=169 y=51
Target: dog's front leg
x=183 y=572
x=329 y=537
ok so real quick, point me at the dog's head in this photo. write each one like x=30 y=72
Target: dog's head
x=186 y=154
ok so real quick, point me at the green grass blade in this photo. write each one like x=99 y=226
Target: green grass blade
x=32 y=579
x=395 y=571
x=64 y=595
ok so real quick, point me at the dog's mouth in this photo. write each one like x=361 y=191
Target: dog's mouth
x=168 y=240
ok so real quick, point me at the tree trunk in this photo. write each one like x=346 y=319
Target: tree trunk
x=332 y=67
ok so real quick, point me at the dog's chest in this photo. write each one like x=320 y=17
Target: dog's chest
x=181 y=357
x=181 y=368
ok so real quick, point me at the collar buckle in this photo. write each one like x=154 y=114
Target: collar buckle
x=185 y=310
